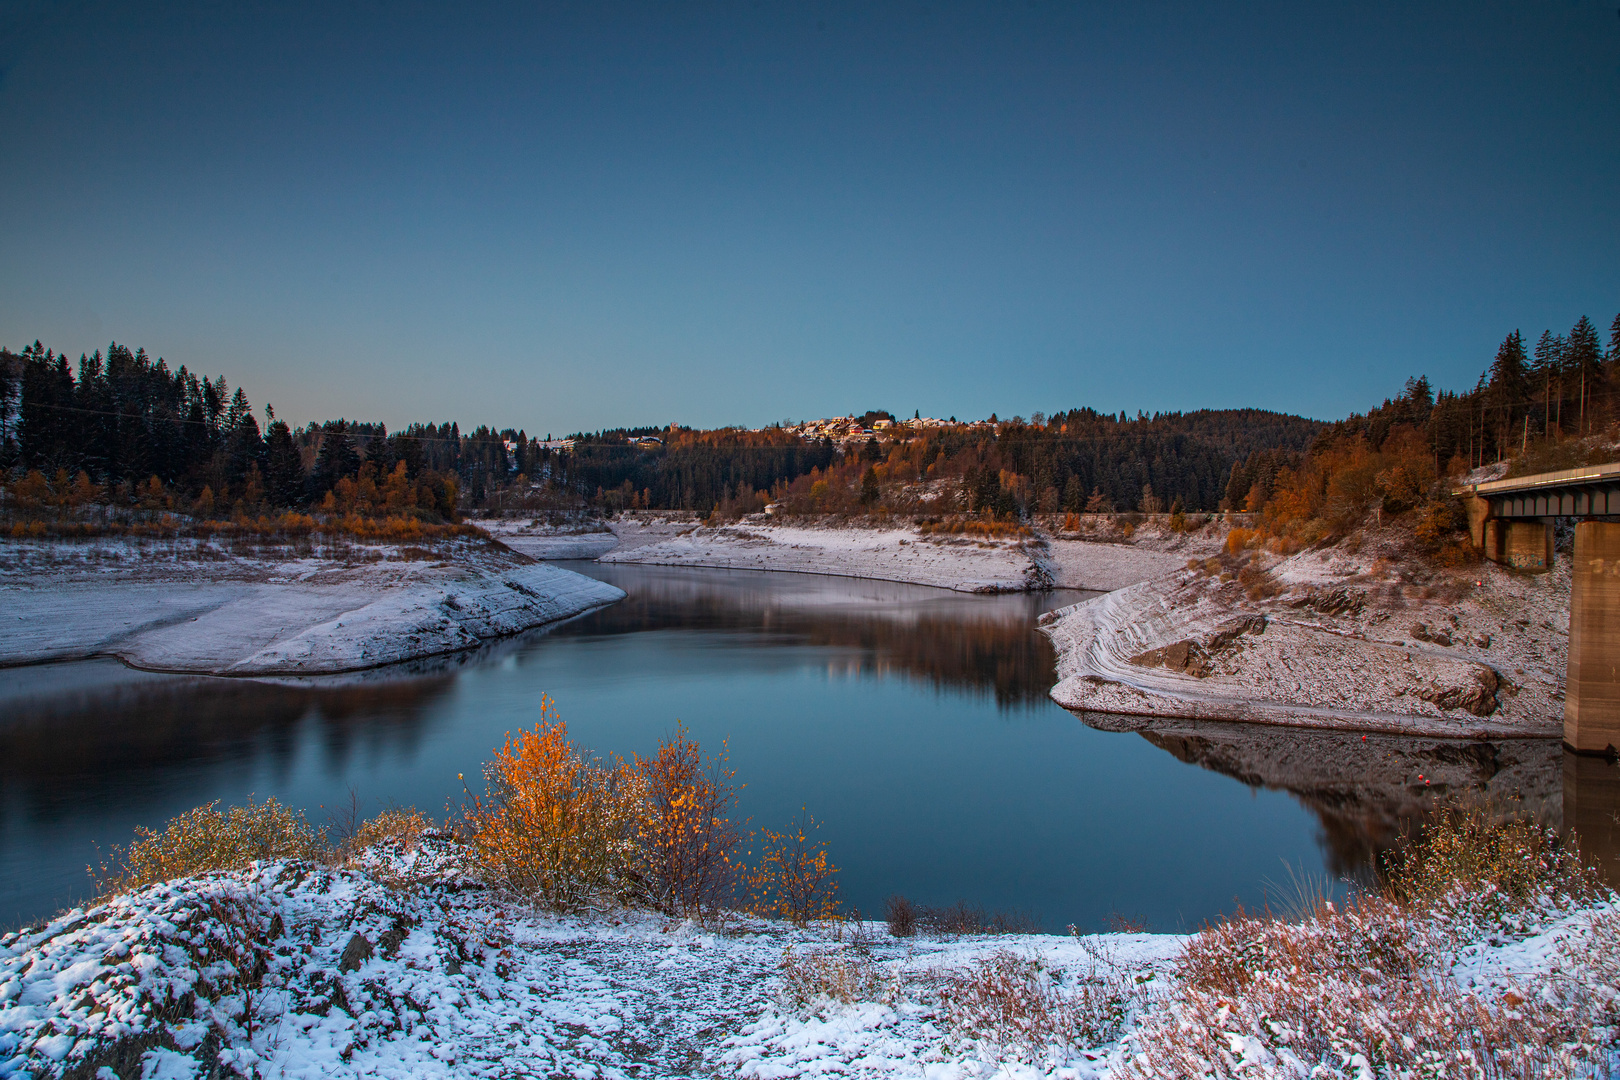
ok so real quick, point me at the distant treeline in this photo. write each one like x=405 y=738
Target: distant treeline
x=1531 y=404
x=125 y=421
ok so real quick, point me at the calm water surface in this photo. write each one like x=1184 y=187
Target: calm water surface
x=912 y=723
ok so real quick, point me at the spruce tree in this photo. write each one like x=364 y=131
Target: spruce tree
x=335 y=459
x=1546 y=370
x=1071 y=495
x=869 y=486
x=8 y=401
x=1507 y=390
x=1584 y=355
x=284 y=465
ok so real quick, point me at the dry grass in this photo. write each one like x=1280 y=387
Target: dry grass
x=1364 y=989
x=289 y=526
x=962 y=526
x=1014 y=1006
x=812 y=980
x=1470 y=873
x=207 y=840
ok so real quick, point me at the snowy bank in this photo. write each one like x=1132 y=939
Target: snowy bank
x=411 y=969
x=196 y=609
x=890 y=552
x=887 y=554
x=300 y=970
x=1329 y=638
x=893 y=553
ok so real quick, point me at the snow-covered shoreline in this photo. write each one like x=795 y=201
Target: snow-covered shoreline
x=899 y=553
x=1325 y=639
x=357 y=978
x=201 y=612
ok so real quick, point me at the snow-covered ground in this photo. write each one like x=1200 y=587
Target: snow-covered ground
x=886 y=553
x=1345 y=639
x=302 y=970
x=889 y=554
x=198 y=607
x=295 y=970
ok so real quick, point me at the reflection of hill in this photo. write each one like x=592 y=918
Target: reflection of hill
x=90 y=738
x=1366 y=791
x=960 y=642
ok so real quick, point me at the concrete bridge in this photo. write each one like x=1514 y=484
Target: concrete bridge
x=1511 y=521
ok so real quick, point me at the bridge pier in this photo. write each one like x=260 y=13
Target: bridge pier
x=1592 y=690
x=1523 y=545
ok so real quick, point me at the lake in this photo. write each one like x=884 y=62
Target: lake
x=912 y=723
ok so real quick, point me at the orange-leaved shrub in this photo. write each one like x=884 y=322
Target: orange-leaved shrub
x=555 y=828
x=794 y=879
x=688 y=838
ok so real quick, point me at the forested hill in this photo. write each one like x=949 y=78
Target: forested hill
x=124 y=418
x=1064 y=461
x=125 y=429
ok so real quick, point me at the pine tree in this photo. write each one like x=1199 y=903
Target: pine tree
x=1507 y=390
x=335 y=460
x=1583 y=356
x=284 y=466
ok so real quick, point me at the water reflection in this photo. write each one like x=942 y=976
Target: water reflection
x=1366 y=791
x=947 y=640
x=1592 y=810
x=101 y=729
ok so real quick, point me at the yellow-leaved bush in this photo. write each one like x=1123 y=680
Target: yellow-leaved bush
x=688 y=840
x=207 y=839
x=555 y=828
x=794 y=879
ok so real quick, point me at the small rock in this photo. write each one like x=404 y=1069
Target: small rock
x=355 y=953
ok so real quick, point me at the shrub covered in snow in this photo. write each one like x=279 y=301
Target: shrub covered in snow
x=208 y=839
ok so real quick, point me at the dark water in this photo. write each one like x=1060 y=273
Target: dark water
x=914 y=724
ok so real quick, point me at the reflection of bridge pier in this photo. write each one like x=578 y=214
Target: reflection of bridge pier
x=1592 y=811
x=1511 y=522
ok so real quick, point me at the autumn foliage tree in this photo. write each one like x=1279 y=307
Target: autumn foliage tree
x=688 y=838
x=794 y=879
x=555 y=828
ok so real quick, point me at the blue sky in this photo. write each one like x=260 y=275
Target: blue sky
x=564 y=216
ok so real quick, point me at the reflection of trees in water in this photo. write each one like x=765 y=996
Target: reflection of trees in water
x=1367 y=792
x=998 y=653
x=80 y=746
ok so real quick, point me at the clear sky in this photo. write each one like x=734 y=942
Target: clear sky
x=565 y=216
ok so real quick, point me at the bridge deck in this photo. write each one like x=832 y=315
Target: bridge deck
x=1589 y=491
